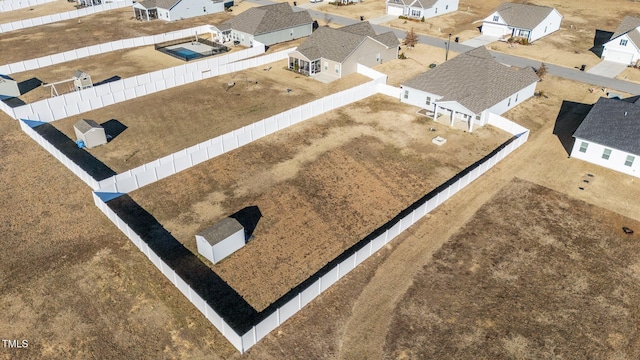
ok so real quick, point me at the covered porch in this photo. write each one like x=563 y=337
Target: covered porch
x=140 y=12
x=455 y=117
x=304 y=66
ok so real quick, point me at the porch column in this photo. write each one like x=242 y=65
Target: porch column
x=471 y=124
x=435 y=113
x=453 y=114
x=147 y=12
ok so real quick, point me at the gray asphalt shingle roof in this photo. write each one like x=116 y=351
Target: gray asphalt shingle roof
x=338 y=44
x=266 y=19
x=474 y=79
x=85 y=125
x=628 y=23
x=523 y=16
x=612 y=123
x=221 y=230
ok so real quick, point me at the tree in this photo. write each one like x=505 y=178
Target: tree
x=542 y=71
x=411 y=39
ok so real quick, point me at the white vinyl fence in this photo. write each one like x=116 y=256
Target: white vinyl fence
x=96 y=97
x=330 y=277
x=10 y=5
x=169 y=165
x=97 y=49
x=176 y=280
x=48 y=19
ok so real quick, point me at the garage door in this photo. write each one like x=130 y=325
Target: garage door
x=617 y=56
x=394 y=10
x=494 y=30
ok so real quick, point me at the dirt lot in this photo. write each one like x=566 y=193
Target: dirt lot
x=54 y=7
x=163 y=123
x=570 y=46
x=88 y=30
x=563 y=265
x=329 y=173
x=105 y=67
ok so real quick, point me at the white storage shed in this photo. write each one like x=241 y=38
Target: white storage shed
x=221 y=240
x=90 y=132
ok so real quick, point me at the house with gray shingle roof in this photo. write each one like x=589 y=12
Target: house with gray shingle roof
x=171 y=10
x=269 y=24
x=335 y=53
x=417 y=9
x=624 y=45
x=522 y=20
x=469 y=87
x=609 y=135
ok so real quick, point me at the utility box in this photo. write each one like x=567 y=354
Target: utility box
x=221 y=240
x=90 y=133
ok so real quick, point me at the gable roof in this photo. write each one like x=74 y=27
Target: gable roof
x=221 y=230
x=338 y=44
x=86 y=125
x=628 y=24
x=266 y=19
x=474 y=79
x=162 y=4
x=425 y=4
x=613 y=123
x=523 y=15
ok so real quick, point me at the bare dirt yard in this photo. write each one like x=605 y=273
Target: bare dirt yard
x=533 y=274
x=571 y=46
x=50 y=8
x=89 y=30
x=318 y=186
x=171 y=120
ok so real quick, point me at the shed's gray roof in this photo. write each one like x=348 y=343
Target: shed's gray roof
x=628 y=24
x=523 y=16
x=474 y=79
x=221 y=230
x=85 y=125
x=606 y=124
x=338 y=44
x=266 y=19
x=79 y=74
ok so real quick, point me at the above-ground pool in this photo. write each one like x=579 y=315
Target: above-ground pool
x=193 y=50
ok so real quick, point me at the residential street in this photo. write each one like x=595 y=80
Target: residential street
x=568 y=73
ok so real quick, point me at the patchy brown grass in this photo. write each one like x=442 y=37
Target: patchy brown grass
x=534 y=274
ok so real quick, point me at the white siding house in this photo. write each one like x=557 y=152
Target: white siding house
x=624 y=45
x=417 y=9
x=531 y=22
x=171 y=10
x=335 y=53
x=269 y=24
x=609 y=135
x=469 y=87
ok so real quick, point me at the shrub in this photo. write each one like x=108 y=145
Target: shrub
x=402 y=56
x=422 y=19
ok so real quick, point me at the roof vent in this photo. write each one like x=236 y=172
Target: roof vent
x=625 y=113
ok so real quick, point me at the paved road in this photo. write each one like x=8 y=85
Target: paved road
x=568 y=73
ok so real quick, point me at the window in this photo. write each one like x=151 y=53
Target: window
x=204 y=8
x=623 y=42
x=406 y=94
x=629 y=161
x=478 y=117
x=516 y=97
x=496 y=18
x=509 y=102
x=378 y=58
x=436 y=11
x=583 y=147
x=428 y=102
x=326 y=65
x=606 y=154
x=446 y=7
x=545 y=29
x=337 y=69
x=415 y=13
